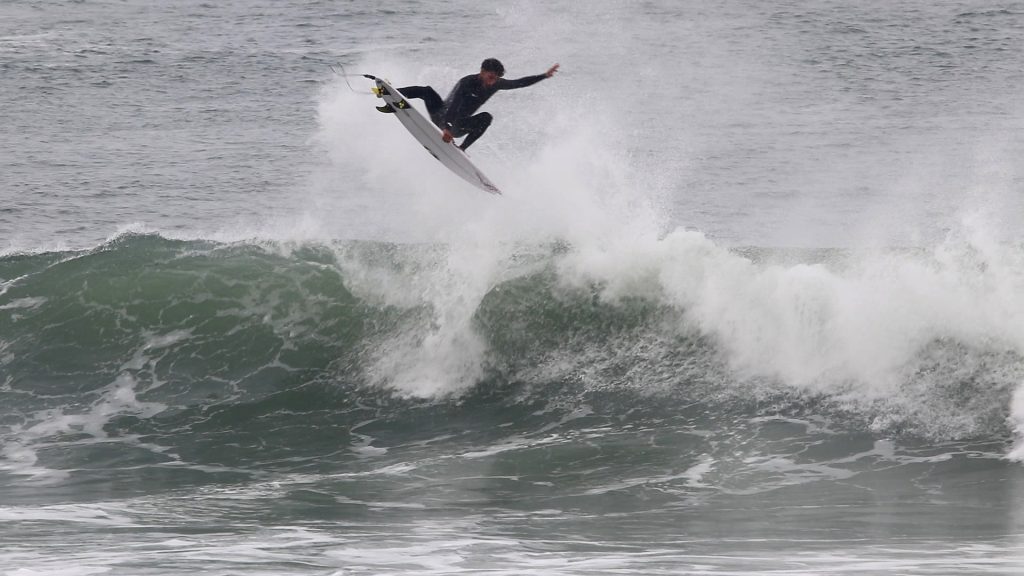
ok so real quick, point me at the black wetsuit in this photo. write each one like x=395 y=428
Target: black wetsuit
x=457 y=112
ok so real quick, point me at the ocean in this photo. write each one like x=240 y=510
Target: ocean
x=752 y=301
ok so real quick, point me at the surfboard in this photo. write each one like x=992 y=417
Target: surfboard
x=424 y=131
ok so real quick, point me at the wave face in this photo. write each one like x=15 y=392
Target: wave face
x=171 y=359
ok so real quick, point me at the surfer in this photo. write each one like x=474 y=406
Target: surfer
x=456 y=115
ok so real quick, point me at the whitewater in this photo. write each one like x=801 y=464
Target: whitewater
x=752 y=301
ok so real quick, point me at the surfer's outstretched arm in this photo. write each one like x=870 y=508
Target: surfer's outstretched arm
x=526 y=80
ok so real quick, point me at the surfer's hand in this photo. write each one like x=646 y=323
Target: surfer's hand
x=446 y=136
x=551 y=71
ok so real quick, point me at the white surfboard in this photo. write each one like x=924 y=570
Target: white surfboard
x=430 y=137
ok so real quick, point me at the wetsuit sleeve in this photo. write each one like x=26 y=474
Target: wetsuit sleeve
x=455 y=103
x=520 y=82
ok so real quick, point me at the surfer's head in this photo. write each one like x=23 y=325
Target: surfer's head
x=490 y=70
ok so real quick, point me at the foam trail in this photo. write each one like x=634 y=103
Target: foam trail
x=443 y=354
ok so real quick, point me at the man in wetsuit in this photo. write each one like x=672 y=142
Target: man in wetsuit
x=456 y=115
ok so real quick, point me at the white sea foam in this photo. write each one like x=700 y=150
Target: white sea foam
x=1017 y=421
x=117 y=398
x=856 y=328
x=23 y=441
x=78 y=513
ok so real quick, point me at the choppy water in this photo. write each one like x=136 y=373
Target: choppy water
x=753 y=302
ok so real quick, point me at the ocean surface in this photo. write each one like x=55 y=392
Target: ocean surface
x=752 y=301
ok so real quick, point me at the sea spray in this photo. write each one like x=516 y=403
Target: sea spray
x=1017 y=421
x=891 y=333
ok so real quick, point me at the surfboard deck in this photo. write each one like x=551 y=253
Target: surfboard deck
x=424 y=131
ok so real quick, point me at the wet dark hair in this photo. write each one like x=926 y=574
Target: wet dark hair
x=493 y=65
